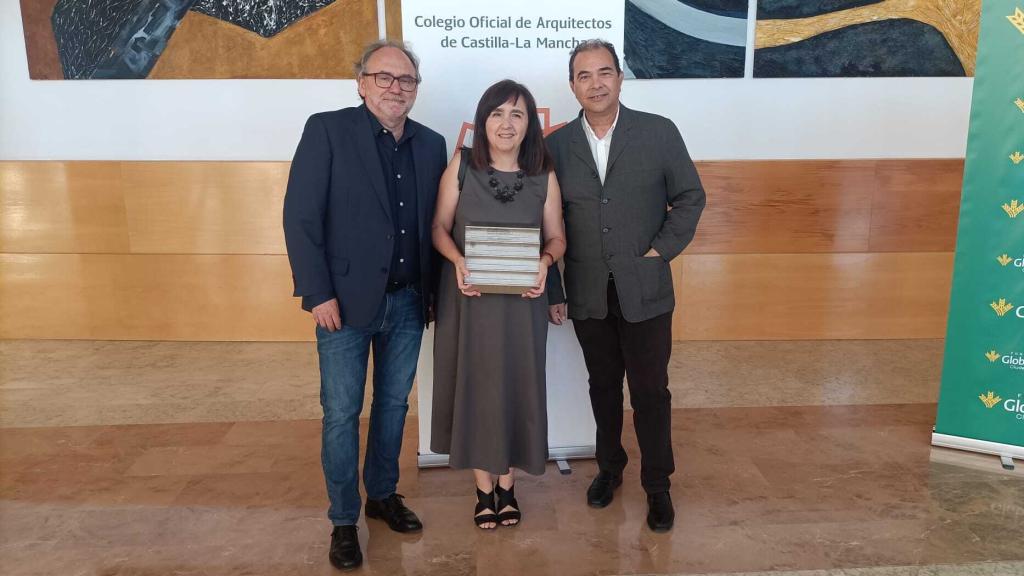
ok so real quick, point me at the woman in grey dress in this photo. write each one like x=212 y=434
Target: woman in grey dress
x=489 y=406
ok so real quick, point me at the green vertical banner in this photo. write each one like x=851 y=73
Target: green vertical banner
x=981 y=402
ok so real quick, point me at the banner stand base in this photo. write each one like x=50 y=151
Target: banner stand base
x=1006 y=452
x=556 y=455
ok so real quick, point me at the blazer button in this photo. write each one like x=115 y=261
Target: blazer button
x=604 y=200
x=605 y=230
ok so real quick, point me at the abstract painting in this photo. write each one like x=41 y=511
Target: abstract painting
x=685 y=38
x=850 y=38
x=136 y=39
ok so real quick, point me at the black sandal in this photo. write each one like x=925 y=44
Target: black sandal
x=485 y=501
x=507 y=499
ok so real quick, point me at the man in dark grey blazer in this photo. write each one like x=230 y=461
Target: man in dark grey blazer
x=631 y=199
x=357 y=216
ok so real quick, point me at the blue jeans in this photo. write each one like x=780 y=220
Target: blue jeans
x=395 y=335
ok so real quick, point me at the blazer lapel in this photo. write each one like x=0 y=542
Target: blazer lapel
x=620 y=138
x=371 y=161
x=580 y=146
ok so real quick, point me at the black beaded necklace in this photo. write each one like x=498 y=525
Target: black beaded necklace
x=505 y=193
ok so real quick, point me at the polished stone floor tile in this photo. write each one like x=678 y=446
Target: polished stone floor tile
x=793 y=458
x=973 y=569
x=95 y=383
x=801 y=490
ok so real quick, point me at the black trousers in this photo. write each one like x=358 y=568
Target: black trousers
x=613 y=348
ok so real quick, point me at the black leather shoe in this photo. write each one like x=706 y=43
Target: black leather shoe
x=660 y=513
x=345 y=553
x=602 y=489
x=394 y=512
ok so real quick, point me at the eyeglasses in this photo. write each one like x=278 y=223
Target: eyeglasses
x=385 y=80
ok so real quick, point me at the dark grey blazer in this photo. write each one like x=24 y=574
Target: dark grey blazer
x=610 y=227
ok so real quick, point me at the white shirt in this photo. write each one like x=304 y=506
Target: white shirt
x=600 y=147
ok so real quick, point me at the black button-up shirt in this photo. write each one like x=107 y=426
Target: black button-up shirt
x=400 y=178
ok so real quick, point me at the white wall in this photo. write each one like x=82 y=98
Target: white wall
x=262 y=119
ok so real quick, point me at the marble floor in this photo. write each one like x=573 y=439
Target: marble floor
x=798 y=458
x=95 y=383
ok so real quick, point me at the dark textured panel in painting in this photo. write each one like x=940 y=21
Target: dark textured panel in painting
x=654 y=50
x=86 y=31
x=114 y=38
x=898 y=47
x=730 y=8
x=775 y=9
x=264 y=17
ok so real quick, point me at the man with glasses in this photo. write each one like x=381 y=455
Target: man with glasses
x=357 y=215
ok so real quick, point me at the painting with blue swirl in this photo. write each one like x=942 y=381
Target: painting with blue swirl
x=685 y=38
x=861 y=38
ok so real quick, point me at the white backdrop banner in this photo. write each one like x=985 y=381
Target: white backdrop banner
x=464 y=48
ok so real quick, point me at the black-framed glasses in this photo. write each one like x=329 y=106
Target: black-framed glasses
x=386 y=79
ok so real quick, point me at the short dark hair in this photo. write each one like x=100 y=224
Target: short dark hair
x=533 y=154
x=593 y=44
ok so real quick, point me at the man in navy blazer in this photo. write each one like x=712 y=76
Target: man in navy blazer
x=357 y=216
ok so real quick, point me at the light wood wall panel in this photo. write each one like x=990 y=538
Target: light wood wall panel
x=73 y=207
x=194 y=251
x=792 y=206
x=149 y=297
x=234 y=297
x=801 y=206
x=205 y=207
x=812 y=296
x=916 y=206
x=785 y=206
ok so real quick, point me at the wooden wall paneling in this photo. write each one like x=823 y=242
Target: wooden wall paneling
x=790 y=206
x=242 y=297
x=234 y=207
x=916 y=206
x=92 y=249
x=149 y=297
x=810 y=296
x=62 y=207
x=205 y=207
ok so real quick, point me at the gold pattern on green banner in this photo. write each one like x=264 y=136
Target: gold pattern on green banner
x=1001 y=307
x=1017 y=19
x=1013 y=208
x=991 y=400
x=985 y=310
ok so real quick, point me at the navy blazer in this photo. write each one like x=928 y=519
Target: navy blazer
x=337 y=215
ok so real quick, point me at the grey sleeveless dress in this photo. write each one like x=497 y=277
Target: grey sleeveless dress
x=490 y=403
